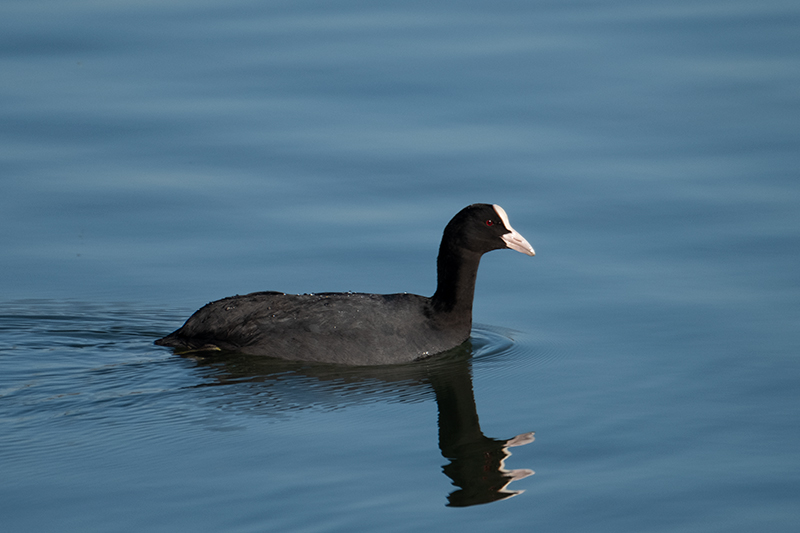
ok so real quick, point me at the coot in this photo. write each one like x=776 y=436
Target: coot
x=357 y=328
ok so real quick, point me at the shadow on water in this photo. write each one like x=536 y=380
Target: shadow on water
x=476 y=462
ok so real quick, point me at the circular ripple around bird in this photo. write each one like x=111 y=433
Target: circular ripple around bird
x=503 y=347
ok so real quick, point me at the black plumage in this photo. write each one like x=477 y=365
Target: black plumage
x=357 y=328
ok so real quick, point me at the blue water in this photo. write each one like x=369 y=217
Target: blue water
x=156 y=156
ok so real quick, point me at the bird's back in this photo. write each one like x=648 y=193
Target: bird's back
x=349 y=328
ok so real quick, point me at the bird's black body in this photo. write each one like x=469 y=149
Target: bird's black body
x=356 y=328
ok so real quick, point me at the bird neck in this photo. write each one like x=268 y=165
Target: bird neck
x=457 y=269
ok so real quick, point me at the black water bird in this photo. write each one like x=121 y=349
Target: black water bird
x=358 y=328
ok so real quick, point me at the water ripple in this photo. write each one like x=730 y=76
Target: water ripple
x=96 y=362
x=497 y=348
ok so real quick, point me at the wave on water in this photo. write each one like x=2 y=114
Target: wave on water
x=90 y=359
x=498 y=347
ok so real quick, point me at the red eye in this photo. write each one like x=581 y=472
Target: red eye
x=490 y=222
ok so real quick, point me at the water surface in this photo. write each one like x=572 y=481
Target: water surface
x=156 y=157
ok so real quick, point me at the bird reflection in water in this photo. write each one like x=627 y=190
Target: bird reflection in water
x=476 y=462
